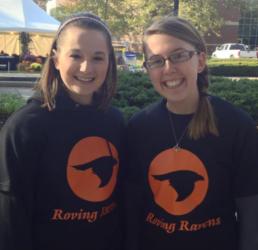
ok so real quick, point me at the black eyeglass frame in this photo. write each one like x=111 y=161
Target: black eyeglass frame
x=191 y=53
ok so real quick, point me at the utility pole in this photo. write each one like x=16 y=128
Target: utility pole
x=176 y=7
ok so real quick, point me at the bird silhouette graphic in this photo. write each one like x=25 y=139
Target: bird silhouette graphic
x=182 y=181
x=102 y=167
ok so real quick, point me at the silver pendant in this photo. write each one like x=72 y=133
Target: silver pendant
x=176 y=148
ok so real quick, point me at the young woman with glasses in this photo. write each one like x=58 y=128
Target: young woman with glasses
x=193 y=156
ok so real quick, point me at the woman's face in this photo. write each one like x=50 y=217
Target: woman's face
x=82 y=59
x=176 y=81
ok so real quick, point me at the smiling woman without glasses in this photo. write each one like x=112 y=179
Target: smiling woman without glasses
x=193 y=157
x=60 y=155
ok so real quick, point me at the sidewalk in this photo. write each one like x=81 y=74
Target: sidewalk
x=18 y=74
x=25 y=92
x=17 y=79
x=237 y=78
x=18 y=83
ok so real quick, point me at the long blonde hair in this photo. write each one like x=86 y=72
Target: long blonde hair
x=204 y=120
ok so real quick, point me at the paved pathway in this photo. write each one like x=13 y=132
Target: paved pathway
x=24 y=92
x=18 y=74
x=20 y=88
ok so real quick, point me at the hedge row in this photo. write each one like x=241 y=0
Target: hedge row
x=242 y=93
x=233 y=67
x=226 y=70
x=135 y=92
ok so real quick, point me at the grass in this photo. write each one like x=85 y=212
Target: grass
x=252 y=62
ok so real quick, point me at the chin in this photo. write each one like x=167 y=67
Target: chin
x=176 y=99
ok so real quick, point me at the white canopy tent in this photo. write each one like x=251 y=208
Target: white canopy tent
x=25 y=16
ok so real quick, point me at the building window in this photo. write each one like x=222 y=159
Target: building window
x=248 y=27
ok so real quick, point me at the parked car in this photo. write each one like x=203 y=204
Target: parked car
x=234 y=50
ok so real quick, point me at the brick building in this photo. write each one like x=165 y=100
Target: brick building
x=241 y=25
x=229 y=31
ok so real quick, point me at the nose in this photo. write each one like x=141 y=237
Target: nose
x=85 y=66
x=168 y=66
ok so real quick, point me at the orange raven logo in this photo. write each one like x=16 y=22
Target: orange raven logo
x=183 y=181
x=178 y=180
x=92 y=169
x=102 y=167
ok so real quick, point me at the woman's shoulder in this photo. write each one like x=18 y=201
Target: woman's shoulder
x=115 y=111
x=151 y=113
x=115 y=114
x=30 y=117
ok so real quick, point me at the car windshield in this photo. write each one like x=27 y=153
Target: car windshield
x=237 y=46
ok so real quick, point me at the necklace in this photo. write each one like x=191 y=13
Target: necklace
x=176 y=147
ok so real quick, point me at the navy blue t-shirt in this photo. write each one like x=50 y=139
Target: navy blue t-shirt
x=187 y=196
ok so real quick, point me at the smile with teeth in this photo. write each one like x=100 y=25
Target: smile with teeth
x=84 y=79
x=172 y=84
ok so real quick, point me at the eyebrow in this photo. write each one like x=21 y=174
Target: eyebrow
x=99 y=53
x=171 y=52
x=95 y=53
x=75 y=50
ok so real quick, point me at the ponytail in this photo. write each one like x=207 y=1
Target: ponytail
x=204 y=119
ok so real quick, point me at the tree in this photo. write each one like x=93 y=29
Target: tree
x=111 y=11
x=203 y=14
x=133 y=16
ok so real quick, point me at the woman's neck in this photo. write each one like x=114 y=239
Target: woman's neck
x=182 y=108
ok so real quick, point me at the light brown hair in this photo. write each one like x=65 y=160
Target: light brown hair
x=204 y=120
x=50 y=81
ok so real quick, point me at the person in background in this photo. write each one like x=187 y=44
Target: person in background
x=193 y=179
x=60 y=155
x=2 y=53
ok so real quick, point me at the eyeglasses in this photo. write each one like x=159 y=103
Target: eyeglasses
x=158 y=61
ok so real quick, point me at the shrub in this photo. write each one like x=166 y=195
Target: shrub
x=233 y=67
x=242 y=93
x=136 y=92
x=8 y=104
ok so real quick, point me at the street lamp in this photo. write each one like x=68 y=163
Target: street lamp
x=176 y=7
x=106 y=10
